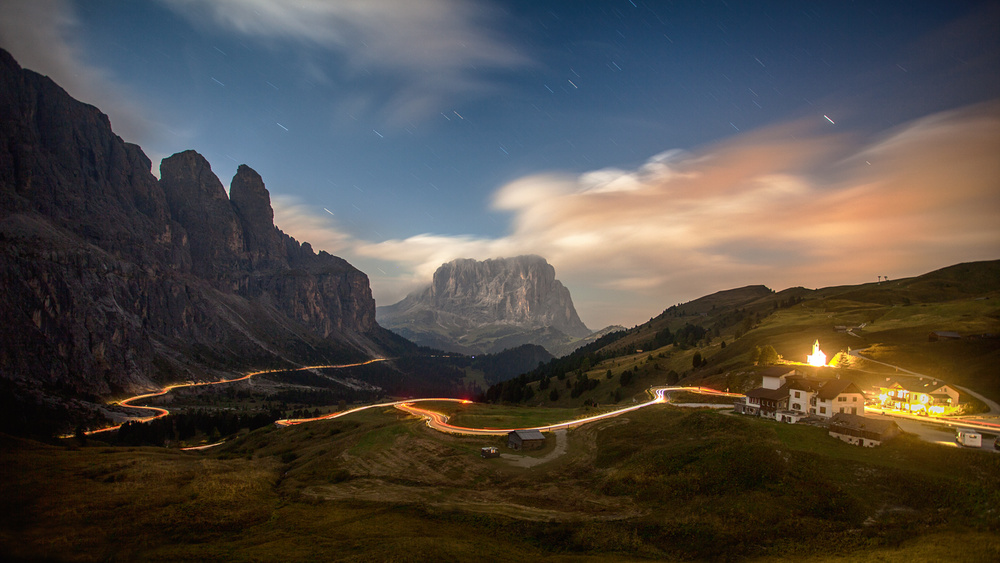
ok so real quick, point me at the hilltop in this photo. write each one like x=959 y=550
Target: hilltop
x=713 y=340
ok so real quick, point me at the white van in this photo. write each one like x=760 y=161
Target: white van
x=969 y=438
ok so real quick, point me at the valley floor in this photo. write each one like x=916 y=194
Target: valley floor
x=659 y=483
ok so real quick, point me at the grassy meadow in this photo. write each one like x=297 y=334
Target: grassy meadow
x=662 y=483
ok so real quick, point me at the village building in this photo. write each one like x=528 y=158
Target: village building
x=525 y=440
x=921 y=396
x=943 y=335
x=775 y=376
x=840 y=396
x=860 y=430
x=818 y=357
x=763 y=402
x=801 y=396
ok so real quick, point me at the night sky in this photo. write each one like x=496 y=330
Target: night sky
x=653 y=152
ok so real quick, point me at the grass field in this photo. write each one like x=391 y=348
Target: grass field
x=476 y=415
x=895 y=318
x=661 y=483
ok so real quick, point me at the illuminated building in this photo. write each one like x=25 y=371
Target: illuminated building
x=817 y=358
x=921 y=396
x=800 y=396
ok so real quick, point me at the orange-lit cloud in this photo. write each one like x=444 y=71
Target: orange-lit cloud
x=785 y=206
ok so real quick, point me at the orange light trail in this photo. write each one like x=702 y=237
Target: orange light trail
x=439 y=421
x=161 y=412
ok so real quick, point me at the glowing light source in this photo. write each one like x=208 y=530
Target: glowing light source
x=817 y=358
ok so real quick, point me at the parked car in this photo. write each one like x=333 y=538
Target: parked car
x=970 y=438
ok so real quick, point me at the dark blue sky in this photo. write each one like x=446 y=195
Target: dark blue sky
x=400 y=134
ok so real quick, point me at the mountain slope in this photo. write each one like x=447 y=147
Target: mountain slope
x=488 y=306
x=713 y=340
x=115 y=282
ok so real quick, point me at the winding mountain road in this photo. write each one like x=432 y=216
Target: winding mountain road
x=439 y=421
x=161 y=412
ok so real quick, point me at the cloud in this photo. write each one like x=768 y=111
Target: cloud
x=430 y=49
x=40 y=35
x=785 y=206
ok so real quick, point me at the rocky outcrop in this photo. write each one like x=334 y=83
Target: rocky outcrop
x=263 y=242
x=488 y=306
x=199 y=203
x=114 y=281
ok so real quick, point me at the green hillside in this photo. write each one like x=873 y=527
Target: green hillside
x=726 y=329
x=661 y=484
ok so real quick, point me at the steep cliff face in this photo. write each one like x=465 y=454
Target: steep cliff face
x=522 y=291
x=488 y=306
x=263 y=243
x=113 y=282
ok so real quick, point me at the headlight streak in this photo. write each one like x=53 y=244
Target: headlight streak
x=161 y=412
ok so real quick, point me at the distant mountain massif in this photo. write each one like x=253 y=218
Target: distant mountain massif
x=115 y=282
x=474 y=307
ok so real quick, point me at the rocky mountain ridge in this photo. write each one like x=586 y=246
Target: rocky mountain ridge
x=115 y=282
x=487 y=306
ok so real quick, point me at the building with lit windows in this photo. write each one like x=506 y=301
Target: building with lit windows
x=840 y=396
x=919 y=396
x=801 y=396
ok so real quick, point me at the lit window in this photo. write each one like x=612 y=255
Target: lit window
x=822 y=410
x=796 y=394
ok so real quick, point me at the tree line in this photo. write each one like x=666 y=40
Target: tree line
x=187 y=425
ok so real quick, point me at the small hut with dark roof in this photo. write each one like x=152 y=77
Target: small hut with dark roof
x=525 y=440
x=861 y=430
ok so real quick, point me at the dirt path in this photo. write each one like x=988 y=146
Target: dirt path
x=525 y=461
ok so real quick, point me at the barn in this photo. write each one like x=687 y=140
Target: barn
x=861 y=430
x=525 y=440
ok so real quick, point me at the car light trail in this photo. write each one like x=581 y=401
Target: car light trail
x=439 y=421
x=161 y=412
x=947 y=422
x=435 y=420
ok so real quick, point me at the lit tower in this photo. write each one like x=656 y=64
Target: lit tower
x=817 y=358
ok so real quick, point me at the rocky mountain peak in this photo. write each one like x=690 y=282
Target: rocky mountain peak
x=517 y=300
x=250 y=198
x=199 y=203
x=252 y=204
x=187 y=177
x=518 y=290
x=114 y=281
